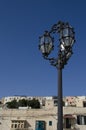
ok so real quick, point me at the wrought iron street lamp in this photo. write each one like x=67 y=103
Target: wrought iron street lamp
x=46 y=46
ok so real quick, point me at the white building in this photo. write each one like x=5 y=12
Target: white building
x=11 y=98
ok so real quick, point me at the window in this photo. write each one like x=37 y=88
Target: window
x=18 y=124
x=81 y=120
x=68 y=123
x=40 y=125
x=50 y=123
x=84 y=103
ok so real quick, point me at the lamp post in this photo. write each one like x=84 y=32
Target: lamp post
x=46 y=45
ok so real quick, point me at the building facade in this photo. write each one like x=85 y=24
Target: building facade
x=42 y=119
x=74 y=117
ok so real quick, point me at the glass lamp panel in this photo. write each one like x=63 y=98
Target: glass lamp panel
x=47 y=39
x=71 y=41
x=46 y=45
x=61 y=34
x=42 y=49
x=68 y=55
x=42 y=40
x=47 y=51
x=65 y=41
x=65 y=32
x=41 y=45
x=50 y=46
x=71 y=32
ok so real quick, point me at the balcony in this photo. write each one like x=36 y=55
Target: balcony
x=20 y=125
x=21 y=129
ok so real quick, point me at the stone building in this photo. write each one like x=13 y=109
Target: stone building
x=17 y=98
x=74 y=116
x=42 y=119
x=75 y=101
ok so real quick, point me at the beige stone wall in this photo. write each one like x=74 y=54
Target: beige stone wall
x=74 y=110
x=49 y=104
x=6 y=116
x=32 y=115
x=79 y=103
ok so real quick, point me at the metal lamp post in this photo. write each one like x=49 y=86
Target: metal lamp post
x=46 y=45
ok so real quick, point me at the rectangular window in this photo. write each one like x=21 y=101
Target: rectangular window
x=85 y=119
x=68 y=123
x=81 y=120
x=50 y=123
x=40 y=125
x=84 y=103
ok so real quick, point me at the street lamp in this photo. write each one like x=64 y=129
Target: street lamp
x=46 y=46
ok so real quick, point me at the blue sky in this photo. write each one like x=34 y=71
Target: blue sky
x=23 y=71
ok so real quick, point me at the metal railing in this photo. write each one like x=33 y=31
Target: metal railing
x=21 y=129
